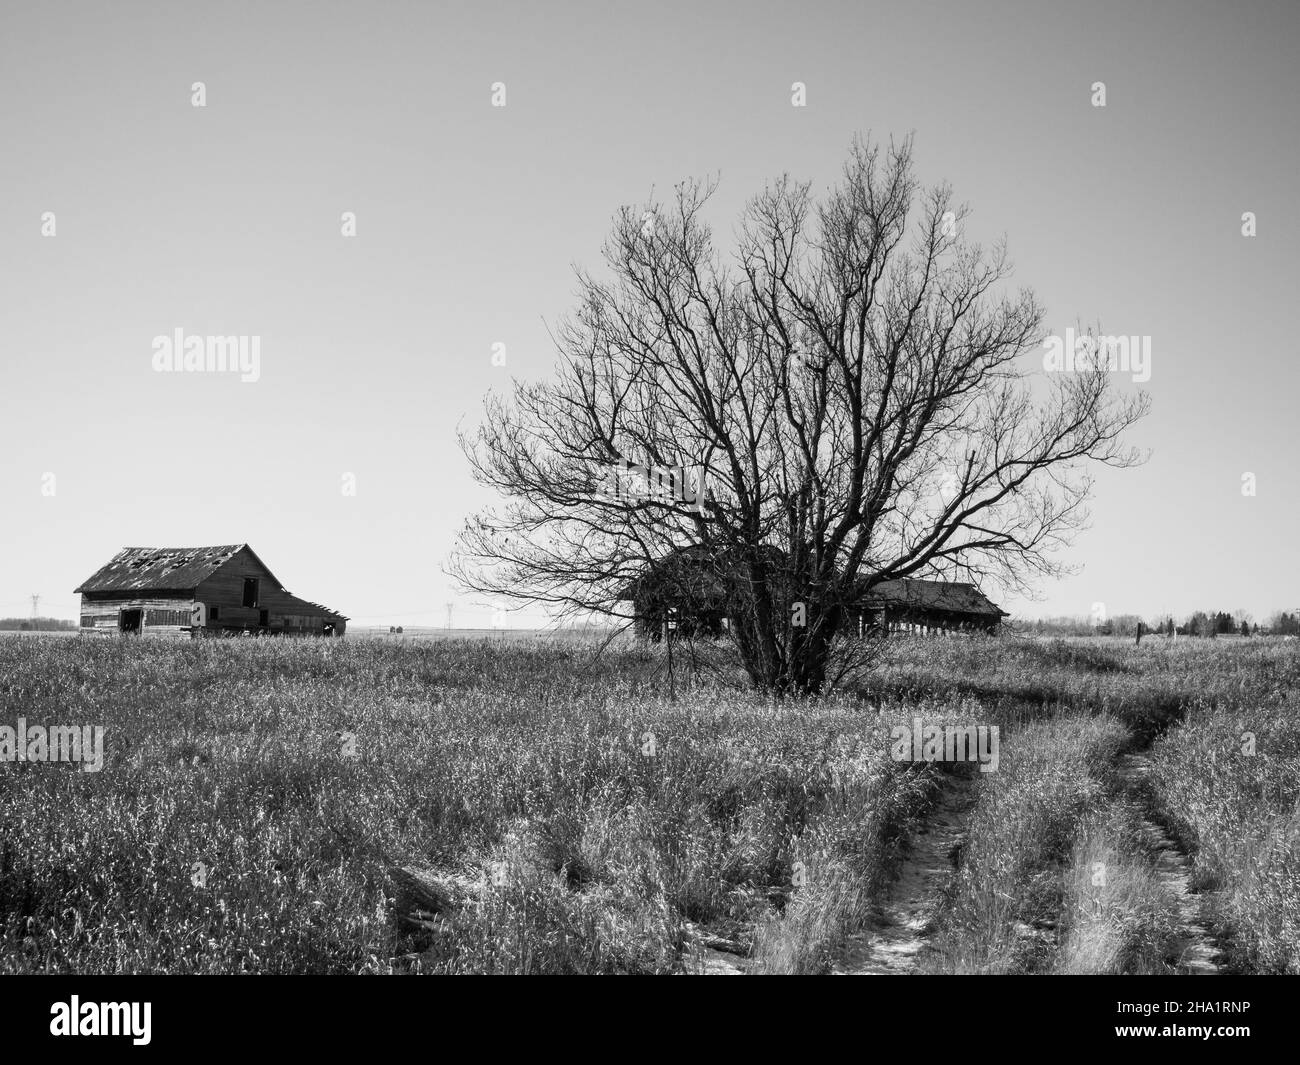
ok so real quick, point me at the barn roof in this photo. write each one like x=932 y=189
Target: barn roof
x=159 y=569
x=952 y=596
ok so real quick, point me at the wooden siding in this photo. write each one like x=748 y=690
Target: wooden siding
x=285 y=613
x=161 y=614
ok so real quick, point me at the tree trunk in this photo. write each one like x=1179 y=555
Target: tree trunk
x=796 y=665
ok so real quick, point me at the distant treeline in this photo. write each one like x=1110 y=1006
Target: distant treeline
x=1200 y=623
x=36 y=625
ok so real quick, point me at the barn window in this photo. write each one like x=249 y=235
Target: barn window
x=215 y=613
x=263 y=618
x=250 y=591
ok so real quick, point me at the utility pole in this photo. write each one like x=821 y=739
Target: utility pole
x=449 y=606
x=36 y=599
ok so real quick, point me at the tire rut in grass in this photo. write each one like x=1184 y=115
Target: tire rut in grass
x=899 y=935
x=1193 y=950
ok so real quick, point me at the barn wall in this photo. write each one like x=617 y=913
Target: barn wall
x=163 y=613
x=285 y=613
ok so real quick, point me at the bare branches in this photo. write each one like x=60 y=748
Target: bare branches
x=853 y=382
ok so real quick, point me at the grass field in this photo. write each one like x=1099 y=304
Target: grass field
x=560 y=813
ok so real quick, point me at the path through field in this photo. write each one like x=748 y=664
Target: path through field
x=897 y=939
x=1194 y=952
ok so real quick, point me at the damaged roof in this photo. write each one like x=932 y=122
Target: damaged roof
x=170 y=569
x=314 y=608
x=694 y=573
x=956 y=597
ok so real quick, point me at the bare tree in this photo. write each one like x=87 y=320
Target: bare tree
x=856 y=387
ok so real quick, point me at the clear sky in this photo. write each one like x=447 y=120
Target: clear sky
x=226 y=220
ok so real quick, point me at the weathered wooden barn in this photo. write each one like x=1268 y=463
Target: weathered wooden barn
x=925 y=607
x=690 y=594
x=197 y=591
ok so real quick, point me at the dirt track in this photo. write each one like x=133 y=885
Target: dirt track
x=1195 y=953
x=897 y=938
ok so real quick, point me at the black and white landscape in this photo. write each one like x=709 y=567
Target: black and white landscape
x=765 y=488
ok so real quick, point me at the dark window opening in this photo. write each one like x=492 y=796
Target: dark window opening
x=215 y=613
x=263 y=618
x=250 y=591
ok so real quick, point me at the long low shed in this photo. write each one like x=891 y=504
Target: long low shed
x=197 y=591
x=691 y=593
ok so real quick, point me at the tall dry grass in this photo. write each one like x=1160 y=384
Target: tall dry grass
x=232 y=831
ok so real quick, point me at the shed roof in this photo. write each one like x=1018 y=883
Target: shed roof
x=953 y=596
x=693 y=572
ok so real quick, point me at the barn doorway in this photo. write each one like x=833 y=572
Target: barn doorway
x=129 y=621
